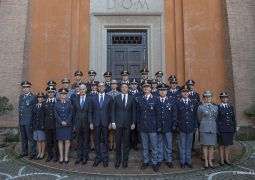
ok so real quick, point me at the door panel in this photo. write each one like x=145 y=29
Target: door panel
x=127 y=50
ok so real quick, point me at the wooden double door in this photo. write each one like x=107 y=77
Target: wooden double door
x=127 y=50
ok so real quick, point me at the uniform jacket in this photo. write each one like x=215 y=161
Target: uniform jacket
x=147 y=114
x=38 y=117
x=113 y=94
x=97 y=115
x=194 y=96
x=107 y=87
x=207 y=116
x=49 y=117
x=167 y=114
x=187 y=116
x=123 y=116
x=81 y=114
x=63 y=112
x=176 y=95
x=136 y=93
x=226 y=120
x=26 y=103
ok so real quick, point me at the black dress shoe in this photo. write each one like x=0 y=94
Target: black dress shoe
x=169 y=164
x=22 y=155
x=144 y=166
x=117 y=164
x=61 y=162
x=135 y=148
x=155 y=168
x=84 y=161
x=182 y=166
x=77 y=161
x=105 y=164
x=159 y=164
x=40 y=158
x=48 y=159
x=55 y=160
x=221 y=164
x=66 y=162
x=125 y=165
x=228 y=163
x=189 y=165
x=32 y=157
x=95 y=164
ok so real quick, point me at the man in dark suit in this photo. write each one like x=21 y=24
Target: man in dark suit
x=26 y=102
x=99 y=118
x=81 y=124
x=123 y=120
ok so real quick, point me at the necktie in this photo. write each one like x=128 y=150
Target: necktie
x=101 y=101
x=124 y=100
x=82 y=101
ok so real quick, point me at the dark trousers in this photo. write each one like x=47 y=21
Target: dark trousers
x=134 y=138
x=26 y=134
x=51 y=143
x=104 y=153
x=122 y=135
x=82 y=136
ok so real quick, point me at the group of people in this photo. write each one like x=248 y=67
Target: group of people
x=114 y=115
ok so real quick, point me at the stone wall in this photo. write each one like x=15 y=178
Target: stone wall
x=13 y=27
x=241 y=22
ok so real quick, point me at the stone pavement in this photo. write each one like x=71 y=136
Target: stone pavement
x=244 y=168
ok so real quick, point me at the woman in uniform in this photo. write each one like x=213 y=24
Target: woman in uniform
x=38 y=126
x=64 y=125
x=226 y=128
x=207 y=114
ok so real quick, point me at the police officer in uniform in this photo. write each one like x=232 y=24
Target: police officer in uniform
x=158 y=77
x=78 y=76
x=167 y=114
x=50 y=125
x=26 y=102
x=134 y=137
x=173 y=92
x=171 y=77
x=226 y=123
x=38 y=126
x=147 y=123
x=124 y=78
x=92 y=75
x=207 y=114
x=65 y=82
x=154 y=87
x=187 y=124
x=194 y=96
x=76 y=93
x=107 y=81
x=144 y=78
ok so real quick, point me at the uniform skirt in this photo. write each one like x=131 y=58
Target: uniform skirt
x=64 y=133
x=208 y=139
x=225 y=138
x=39 y=135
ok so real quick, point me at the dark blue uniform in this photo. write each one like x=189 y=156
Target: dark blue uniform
x=26 y=103
x=108 y=87
x=148 y=124
x=226 y=123
x=194 y=96
x=187 y=124
x=50 y=129
x=175 y=94
x=167 y=115
x=38 y=117
x=63 y=112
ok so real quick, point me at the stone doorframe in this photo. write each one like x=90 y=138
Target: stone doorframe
x=101 y=23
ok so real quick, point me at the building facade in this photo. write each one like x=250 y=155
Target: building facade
x=210 y=41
